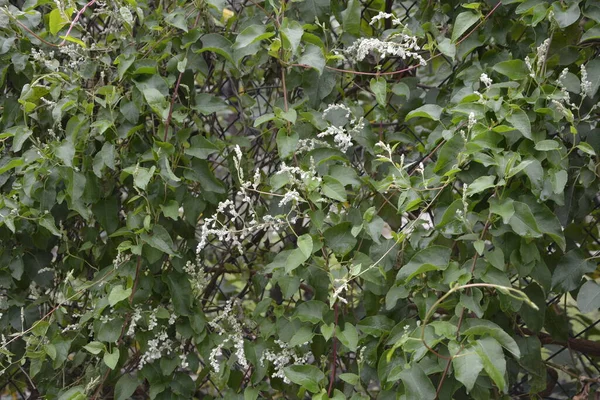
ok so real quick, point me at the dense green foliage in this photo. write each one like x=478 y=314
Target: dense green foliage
x=305 y=199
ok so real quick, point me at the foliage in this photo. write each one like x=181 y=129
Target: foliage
x=319 y=198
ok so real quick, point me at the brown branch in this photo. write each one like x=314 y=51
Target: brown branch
x=334 y=355
x=585 y=346
x=79 y=13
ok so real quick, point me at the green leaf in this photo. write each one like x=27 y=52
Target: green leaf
x=207 y=178
x=534 y=318
x=504 y=208
x=177 y=19
x=566 y=15
x=20 y=134
x=483 y=327
x=520 y=121
x=201 y=148
x=13 y=163
x=514 y=69
x=217 y=44
x=57 y=20
x=523 y=222
x=66 y=152
x=546 y=220
x=493 y=360
x=339 y=238
x=251 y=34
x=118 y=294
x=591 y=34
x=417 y=384
x=292 y=34
x=305 y=244
x=47 y=221
x=349 y=336
x=379 y=89
x=480 y=184
x=311 y=311
x=593 y=70
x=433 y=258
x=208 y=104
x=109 y=331
x=569 y=271
x=181 y=292
x=448 y=154
x=463 y=22
x=288 y=260
x=588 y=298
x=287 y=144
x=430 y=111
x=75 y=393
x=547 y=145
x=447 y=48
x=95 y=347
x=307 y=376
x=302 y=335
x=467 y=366
x=111 y=359
x=125 y=387
x=333 y=189
x=351 y=18
x=313 y=57
x=586 y=148
x=376 y=325
x=105 y=157
x=159 y=239
x=531 y=360
x=327 y=330
x=251 y=393
x=142 y=176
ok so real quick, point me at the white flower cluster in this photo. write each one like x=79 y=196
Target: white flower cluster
x=542 y=53
x=291 y=196
x=236 y=336
x=227 y=232
x=152 y=321
x=529 y=67
x=75 y=58
x=197 y=277
x=342 y=137
x=298 y=176
x=486 y=80
x=384 y=15
x=404 y=47
x=586 y=86
x=281 y=359
x=305 y=145
x=156 y=347
x=47 y=59
x=472 y=120
x=137 y=315
x=121 y=259
x=333 y=107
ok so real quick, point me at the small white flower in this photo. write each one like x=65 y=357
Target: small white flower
x=291 y=196
x=472 y=121
x=486 y=80
x=384 y=15
x=529 y=67
x=405 y=48
x=542 y=53
x=586 y=86
x=333 y=107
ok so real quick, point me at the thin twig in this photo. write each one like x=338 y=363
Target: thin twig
x=77 y=16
